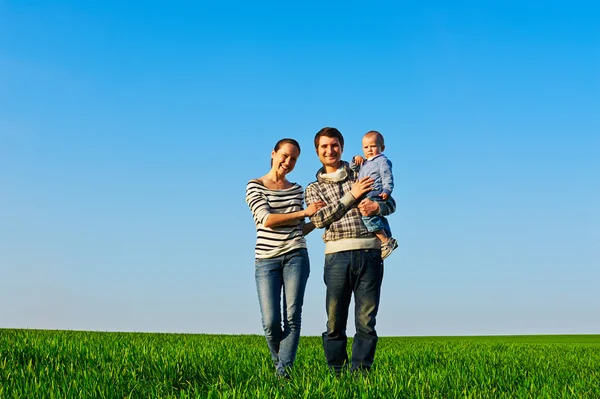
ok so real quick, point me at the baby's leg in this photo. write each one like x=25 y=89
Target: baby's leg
x=381 y=235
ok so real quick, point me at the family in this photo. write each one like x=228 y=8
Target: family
x=349 y=201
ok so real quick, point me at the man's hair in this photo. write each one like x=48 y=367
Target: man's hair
x=378 y=137
x=285 y=141
x=329 y=132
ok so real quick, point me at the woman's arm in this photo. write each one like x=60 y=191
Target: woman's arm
x=286 y=219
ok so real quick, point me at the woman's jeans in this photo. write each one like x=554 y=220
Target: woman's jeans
x=287 y=273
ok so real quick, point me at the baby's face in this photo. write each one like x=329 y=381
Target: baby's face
x=370 y=146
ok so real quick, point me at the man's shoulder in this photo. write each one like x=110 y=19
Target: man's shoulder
x=312 y=185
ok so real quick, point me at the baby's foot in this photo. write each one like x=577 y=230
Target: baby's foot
x=387 y=247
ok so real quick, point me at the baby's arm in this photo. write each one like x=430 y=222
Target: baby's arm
x=356 y=162
x=387 y=178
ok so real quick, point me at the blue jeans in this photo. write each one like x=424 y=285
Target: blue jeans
x=287 y=273
x=359 y=272
x=374 y=223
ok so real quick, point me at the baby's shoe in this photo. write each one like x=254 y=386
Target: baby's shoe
x=387 y=247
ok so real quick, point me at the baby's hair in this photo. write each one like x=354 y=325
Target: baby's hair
x=285 y=141
x=378 y=137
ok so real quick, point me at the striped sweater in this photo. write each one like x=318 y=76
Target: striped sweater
x=275 y=241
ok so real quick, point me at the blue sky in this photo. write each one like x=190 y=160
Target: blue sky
x=128 y=132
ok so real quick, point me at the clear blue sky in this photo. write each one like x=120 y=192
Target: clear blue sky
x=129 y=130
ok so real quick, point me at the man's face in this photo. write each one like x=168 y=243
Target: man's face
x=329 y=151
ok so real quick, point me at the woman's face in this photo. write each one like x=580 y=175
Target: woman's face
x=284 y=159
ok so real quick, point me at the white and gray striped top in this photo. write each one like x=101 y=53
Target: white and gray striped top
x=275 y=241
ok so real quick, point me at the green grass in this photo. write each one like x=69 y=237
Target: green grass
x=72 y=364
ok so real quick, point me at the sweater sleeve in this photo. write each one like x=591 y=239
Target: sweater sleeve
x=387 y=207
x=257 y=201
x=354 y=166
x=387 y=178
x=331 y=212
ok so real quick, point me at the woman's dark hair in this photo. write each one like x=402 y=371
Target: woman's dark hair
x=285 y=141
x=329 y=132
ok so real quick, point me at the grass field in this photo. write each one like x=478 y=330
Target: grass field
x=71 y=364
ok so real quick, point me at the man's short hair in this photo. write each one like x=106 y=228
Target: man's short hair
x=329 y=132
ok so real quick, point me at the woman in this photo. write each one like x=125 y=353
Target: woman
x=281 y=257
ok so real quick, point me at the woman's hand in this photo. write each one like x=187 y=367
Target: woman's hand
x=314 y=208
x=361 y=187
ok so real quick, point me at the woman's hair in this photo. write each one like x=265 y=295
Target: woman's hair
x=285 y=141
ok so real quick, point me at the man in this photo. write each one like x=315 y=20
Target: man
x=353 y=261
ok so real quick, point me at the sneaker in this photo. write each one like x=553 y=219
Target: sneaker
x=387 y=247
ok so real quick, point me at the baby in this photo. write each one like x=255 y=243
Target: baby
x=376 y=166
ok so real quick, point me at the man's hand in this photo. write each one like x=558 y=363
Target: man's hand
x=384 y=196
x=368 y=207
x=361 y=187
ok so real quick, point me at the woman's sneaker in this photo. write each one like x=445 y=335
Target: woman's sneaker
x=387 y=247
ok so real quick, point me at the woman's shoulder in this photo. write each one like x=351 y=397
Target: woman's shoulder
x=255 y=186
x=257 y=182
x=261 y=185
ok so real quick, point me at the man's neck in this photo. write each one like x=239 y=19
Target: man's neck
x=331 y=169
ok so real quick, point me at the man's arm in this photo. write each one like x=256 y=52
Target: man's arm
x=388 y=207
x=368 y=207
x=329 y=213
x=307 y=228
x=334 y=211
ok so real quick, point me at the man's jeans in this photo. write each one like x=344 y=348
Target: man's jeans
x=288 y=273
x=361 y=272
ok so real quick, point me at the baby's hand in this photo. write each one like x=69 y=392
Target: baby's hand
x=384 y=196
x=358 y=160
